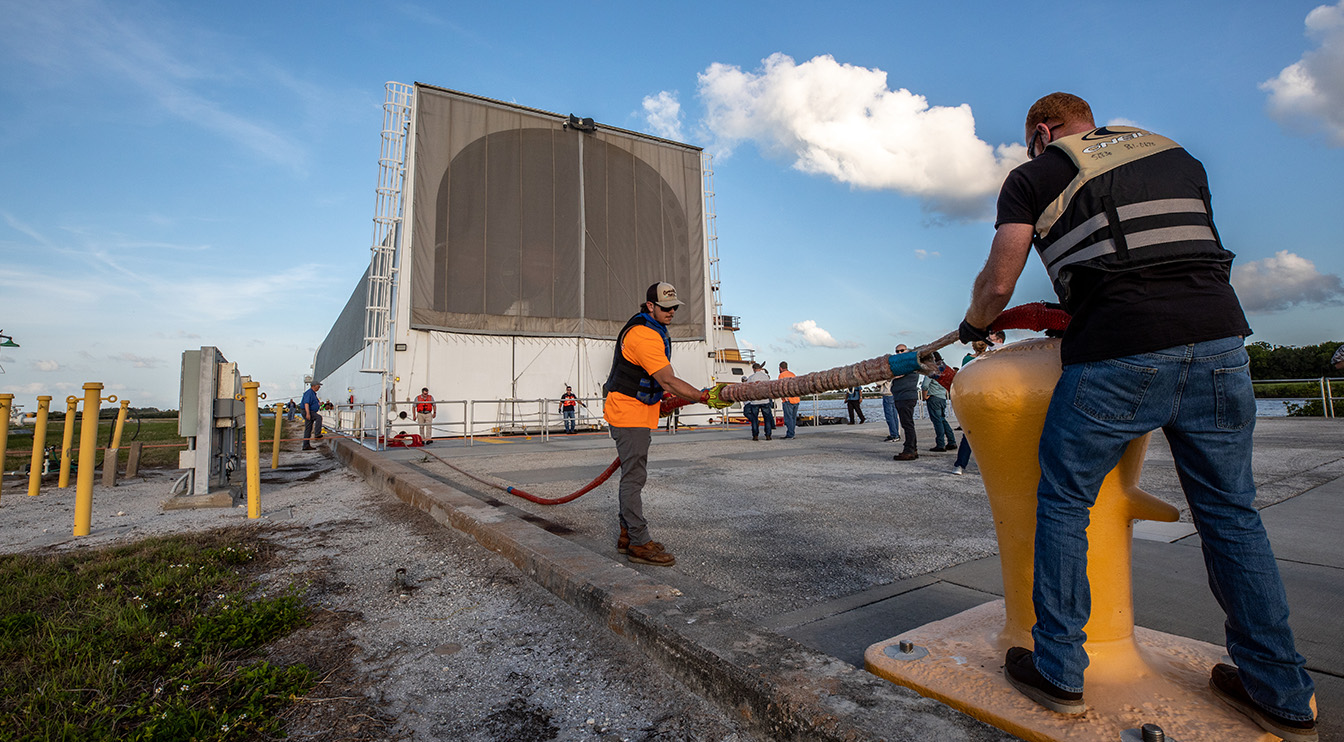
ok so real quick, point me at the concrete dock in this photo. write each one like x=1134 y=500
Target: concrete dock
x=794 y=555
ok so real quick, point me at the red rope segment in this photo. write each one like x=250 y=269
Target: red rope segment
x=1037 y=316
x=604 y=476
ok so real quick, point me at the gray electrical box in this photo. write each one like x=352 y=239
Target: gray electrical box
x=211 y=417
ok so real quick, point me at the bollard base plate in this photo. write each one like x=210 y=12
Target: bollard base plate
x=964 y=669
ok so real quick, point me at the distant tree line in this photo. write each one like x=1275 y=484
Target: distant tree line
x=1293 y=362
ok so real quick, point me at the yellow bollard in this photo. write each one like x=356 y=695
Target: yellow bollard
x=253 y=449
x=71 y=403
x=39 y=446
x=6 y=400
x=88 y=456
x=275 y=447
x=110 y=457
x=121 y=423
x=1135 y=675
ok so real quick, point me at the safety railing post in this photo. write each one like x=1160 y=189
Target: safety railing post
x=253 y=423
x=39 y=446
x=88 y=457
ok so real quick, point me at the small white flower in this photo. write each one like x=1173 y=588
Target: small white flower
x=163 y=634
x=177 y=644
x=186 y=687
x=136 y=598
x=221 y=596
x=100 y=586
x=116 y=662
x=223 y=727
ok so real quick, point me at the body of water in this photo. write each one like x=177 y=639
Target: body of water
x=873 y=408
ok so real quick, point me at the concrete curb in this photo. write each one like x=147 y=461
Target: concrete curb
x=781 y=688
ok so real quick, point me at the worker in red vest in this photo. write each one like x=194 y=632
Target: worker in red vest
x=568 y=407
x=424 y=414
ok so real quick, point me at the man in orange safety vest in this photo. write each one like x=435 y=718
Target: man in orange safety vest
x=424 y=414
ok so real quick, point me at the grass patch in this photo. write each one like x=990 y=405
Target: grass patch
x=158 y=435
x=157 y=640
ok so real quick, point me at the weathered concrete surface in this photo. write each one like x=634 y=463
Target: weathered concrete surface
x=795 y=555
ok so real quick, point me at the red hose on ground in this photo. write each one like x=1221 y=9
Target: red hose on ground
x=604 y=476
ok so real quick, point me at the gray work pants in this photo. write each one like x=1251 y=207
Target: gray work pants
x=632 y=446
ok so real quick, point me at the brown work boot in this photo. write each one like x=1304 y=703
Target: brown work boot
x=906 y=456
x=650 y=553
x=623 y=542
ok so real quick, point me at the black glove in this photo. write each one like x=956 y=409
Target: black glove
x=966 y=333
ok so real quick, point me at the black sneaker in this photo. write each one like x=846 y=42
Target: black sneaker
x=1023 y=675
x=1226 y=684
x=889 y=439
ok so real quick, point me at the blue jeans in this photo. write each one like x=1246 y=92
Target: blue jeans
x=889 y=412
x=753 y=413
x=568 y=413
x=942 y=429
x=1200 y=396
x=790 y=418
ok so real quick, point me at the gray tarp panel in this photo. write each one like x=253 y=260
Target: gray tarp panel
x=497 y=247
x=345 y=340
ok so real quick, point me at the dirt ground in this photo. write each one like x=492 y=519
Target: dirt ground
x=418 y=632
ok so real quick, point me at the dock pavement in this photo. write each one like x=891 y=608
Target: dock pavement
x=794 y=555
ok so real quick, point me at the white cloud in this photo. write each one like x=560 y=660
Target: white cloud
x=923 y=254
x=47 y=366
x=807 y=333
x=137 y=361
x=1309 y=94
x=1282 y=281
x=843 y=121
x=663 y=113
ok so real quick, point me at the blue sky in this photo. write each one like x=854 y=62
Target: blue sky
x=182 y=174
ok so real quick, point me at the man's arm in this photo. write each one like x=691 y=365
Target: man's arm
x=994 y=286
x=669 y=381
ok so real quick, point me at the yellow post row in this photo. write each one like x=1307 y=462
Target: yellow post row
x=275 y=447
x=39 y=446
x=253 y=449
x=88 y=457
x=71 y=403
x=6 y=400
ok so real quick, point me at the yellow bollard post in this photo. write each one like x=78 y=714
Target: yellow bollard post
x=39 y=446
x=71 y=403
x=1134 y=674
x=88 y=456
x=110 y=458
x=6 y=401
x=275 y=447
x=121 y=423
x=253 y=449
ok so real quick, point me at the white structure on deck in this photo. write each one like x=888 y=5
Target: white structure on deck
x=510 y=246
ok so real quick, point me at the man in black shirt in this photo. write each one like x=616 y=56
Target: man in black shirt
x=1122 y=220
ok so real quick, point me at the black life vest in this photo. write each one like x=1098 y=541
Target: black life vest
x=1139 y=199
x=629 y=378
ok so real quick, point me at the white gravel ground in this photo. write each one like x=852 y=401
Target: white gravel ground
x=459 y=646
